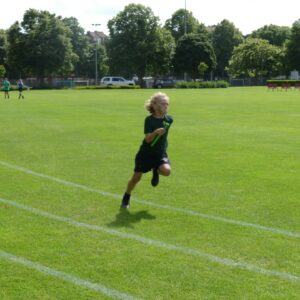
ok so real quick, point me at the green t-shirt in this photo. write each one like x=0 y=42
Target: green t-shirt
x=6 y=85
x=152 y=123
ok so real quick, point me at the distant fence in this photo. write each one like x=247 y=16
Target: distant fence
x=56 y=82
x=248 y=81
x=64 y=84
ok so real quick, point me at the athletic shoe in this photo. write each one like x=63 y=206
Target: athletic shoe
x=155 y=177
x=125 y=201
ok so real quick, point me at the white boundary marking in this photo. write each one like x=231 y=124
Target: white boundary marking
x=66 y=277
x=162 y=206
x=156 y=243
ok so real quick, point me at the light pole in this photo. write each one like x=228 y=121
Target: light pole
x=185 y=16
x=96 y=56
x=185 y=74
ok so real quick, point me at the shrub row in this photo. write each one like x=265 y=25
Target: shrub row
x=201 y=84
x=110 y=87
x=16 y=88
x=280 y=82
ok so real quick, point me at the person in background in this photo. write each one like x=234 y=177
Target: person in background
x=6 y=88
x=20 y=88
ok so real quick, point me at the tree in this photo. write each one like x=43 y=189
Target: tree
x=276 y=35
x=202 y=67
x=3 y=45
x=41 y=45
x=163 y=53
x=225 y=37
x=192 y=49
x=2 y=71
x=293 y=47
x=255 y=58
x=136 y=45
x=103 y=66
x=182 y=22
x=80 y=46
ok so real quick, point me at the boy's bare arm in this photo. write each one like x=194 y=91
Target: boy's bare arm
x=149 y=137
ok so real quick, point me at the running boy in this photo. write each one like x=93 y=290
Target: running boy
x=152 y=153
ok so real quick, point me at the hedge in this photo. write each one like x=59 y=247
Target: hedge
x=280 y=82
x=16 y=88
x=201 y=84
x=104 y=87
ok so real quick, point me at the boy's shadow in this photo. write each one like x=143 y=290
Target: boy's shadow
x=125 y=218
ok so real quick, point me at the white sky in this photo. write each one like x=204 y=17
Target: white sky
x=246 y=15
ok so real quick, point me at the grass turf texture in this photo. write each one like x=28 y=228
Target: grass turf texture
x=234 y=153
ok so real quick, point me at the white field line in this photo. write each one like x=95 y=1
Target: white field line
x=156 y=243
x=65 y=276
x=162 y=206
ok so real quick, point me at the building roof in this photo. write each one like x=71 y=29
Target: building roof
x=97 y=36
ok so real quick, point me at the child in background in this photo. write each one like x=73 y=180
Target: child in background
x=20 y=88
x=6 y=88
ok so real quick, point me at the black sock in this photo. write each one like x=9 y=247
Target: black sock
x=126 y=197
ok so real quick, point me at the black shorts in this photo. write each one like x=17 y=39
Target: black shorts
x=144 y=162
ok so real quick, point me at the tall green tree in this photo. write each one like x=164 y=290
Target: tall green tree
x=41 y=45
x=183 y=21
x=81 y=46
x=2 y=71
x=293 y=48
x=225 y=37
x=192 y=49
x=102 y=59
x=135 y=40
x=164 y=51
x=255 y=58
x=202 y=67
x=3 y=46
x=276 y=35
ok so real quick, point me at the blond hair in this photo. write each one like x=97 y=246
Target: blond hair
x=154 y=100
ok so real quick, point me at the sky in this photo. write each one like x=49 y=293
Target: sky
x=246 y=15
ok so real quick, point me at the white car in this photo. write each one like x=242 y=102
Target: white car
x=115 y=81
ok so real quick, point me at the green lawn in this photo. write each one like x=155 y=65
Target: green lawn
x=224 y=225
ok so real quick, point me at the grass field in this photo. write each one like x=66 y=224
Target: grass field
x=224 y=225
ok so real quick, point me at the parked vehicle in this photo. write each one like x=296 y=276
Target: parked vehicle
x=163 y=83
x=113 y=80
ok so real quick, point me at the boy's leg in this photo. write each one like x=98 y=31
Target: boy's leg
x=164 y=169
x=155 y=177
x=130 y=186
x=133 y=181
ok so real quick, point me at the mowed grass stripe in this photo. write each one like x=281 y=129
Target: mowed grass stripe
x=65 y=276
x=162 y=206
x=156 y=243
